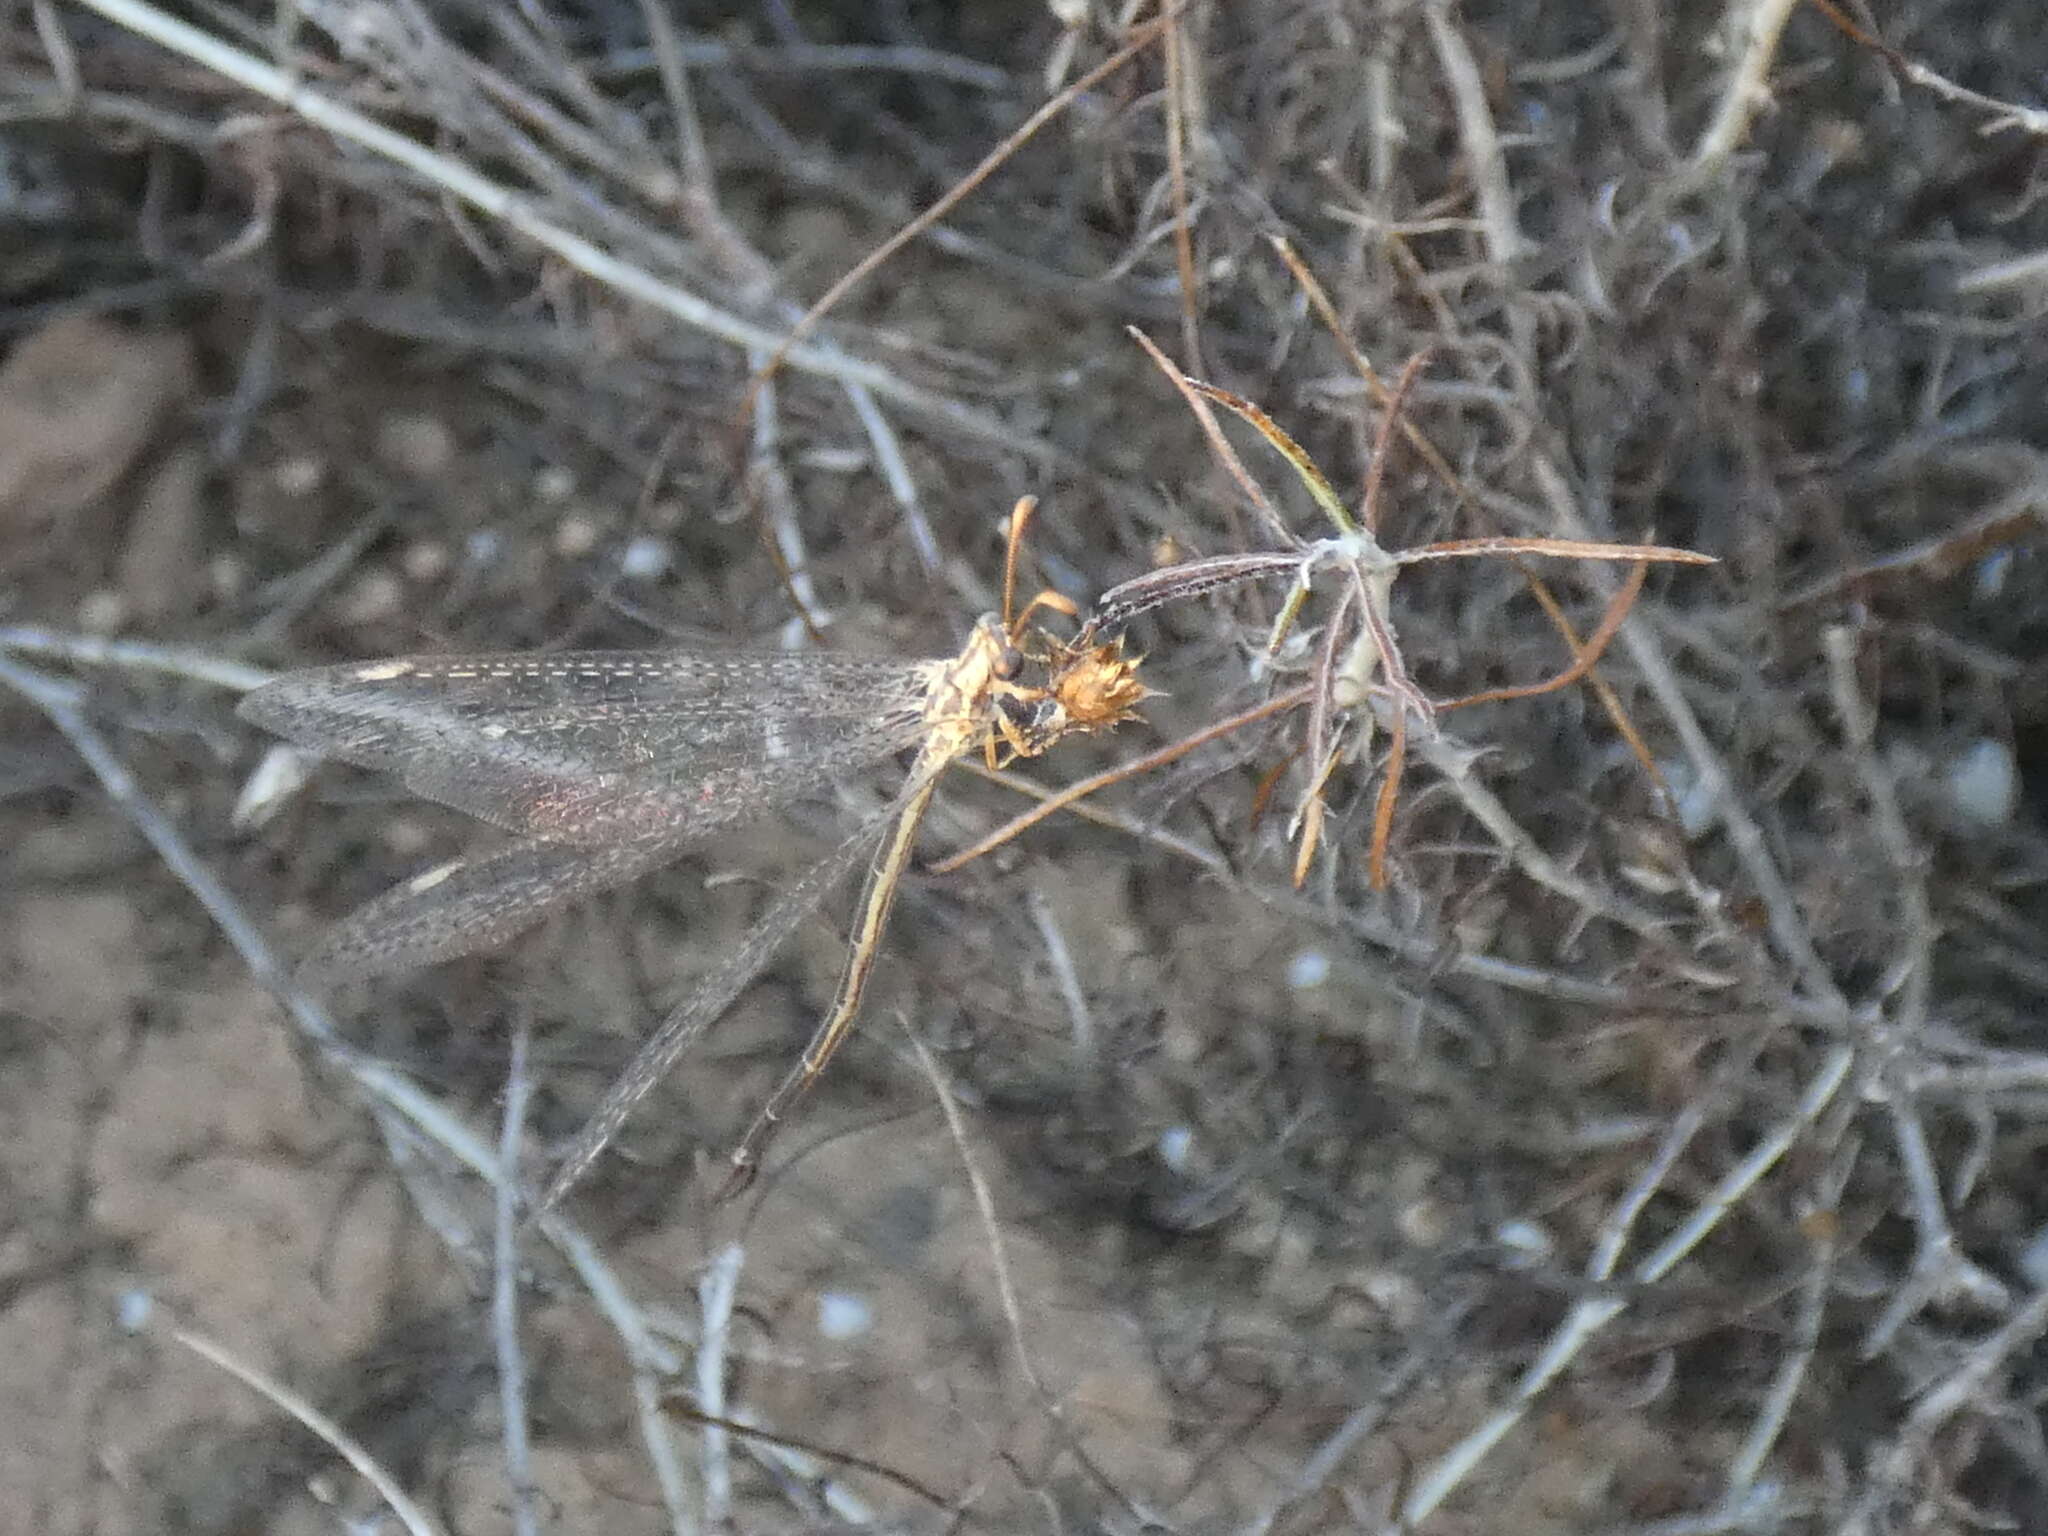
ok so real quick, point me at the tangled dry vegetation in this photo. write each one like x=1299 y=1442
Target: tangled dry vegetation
x=1658 y=1151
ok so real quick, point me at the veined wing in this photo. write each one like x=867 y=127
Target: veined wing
x=710 y=996
x=478 y=904
x=603 y=747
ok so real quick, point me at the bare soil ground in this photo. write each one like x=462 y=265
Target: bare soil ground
x=1659 y=1150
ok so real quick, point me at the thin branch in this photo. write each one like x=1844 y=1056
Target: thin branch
x=1588 y=1317
x=1322 y=1464
x=1787 y=923
x=1893 y=1468
x=1080 y=1020
x=505 y=1290
x=1753 y=27
x=332 y=1434
x=189 y=662
x=1476 y=132
x=1226 y=455
x=1806 y=1328
x=517 y=212
x=1938 y=1268
x=852 y=278
x=2005 y=115
x=1006 y=1286
x=717 y=1288
x=1174 y=45
x=1455 y=763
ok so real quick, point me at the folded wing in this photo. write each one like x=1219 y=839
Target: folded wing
x=470 y=907
x=598 y=748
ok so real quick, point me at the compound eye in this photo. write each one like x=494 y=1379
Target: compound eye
x=1009 y=663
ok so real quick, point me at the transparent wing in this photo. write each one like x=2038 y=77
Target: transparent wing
x=465 y=908
x=707 y=1001
x=602 y=747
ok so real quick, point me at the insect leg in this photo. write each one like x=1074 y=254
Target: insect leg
x=705 y=1004
x=865 y=947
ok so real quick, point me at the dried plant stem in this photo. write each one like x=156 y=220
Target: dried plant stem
x=1372 y=570
x=1938 y=1268
x=517 y=212
x=749 y=266
x=63 y=703
x=505 y=1291
x=1783 y=1391
x=1753 y=28
x=63 y=57
x=717 y=1289
x=1787 y=924
x=1387 y=400
x=1455 y=762
x=1180 y=91
x=1080 y=1019
x=1322 y=1464
x=1618 y=1230
x=1417 y=948
x=1382 y=394
x=1006 y=1285
x=2005 y=115
x=1587 y=1318
x=416 y=1519
x=1912 y=971
x=1139 y=40
x=1893 y=1468
x=692 y=157
x=785 y=525
x=985 y=1208
x=1225 y=454
x=2020 y=272
x=189 y=662
x=1481 y=140
x=659 y=1442
x=1105 y=816
x=1951 y=1394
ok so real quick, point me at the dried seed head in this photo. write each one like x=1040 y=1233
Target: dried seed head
x=1098 y=686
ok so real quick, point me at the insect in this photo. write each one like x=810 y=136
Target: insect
x=609 y=764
